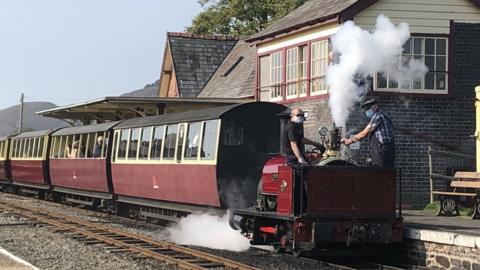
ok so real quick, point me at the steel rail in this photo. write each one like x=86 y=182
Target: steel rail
x=108 y=235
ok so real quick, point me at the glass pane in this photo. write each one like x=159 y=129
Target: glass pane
x=133 y=145
x=61 y=147
x=181 y=136
x=30 y=147
x=429 y=62
x=440 y=63
x=417 y=45
x=441 y=46
x=35 y=147
x=440 y=81
x=417 y=82
x=170 y=141
x=407 y=46
x=381 y=80
x=122 y=147
x=429 y=46
x=40 y=147
x=145 y=143
x=193 y=140
x=392 y=83
x=114 y=148
x=209 y=140
x=429 y=80
x=156 y=143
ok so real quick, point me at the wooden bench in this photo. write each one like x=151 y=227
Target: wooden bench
x=449 y=200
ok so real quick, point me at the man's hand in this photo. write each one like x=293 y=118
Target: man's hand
x=347 y=141
x=302 y=161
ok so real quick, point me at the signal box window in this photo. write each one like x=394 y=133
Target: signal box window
x=122 y=147
x=133 y=144
x=170 y=141
x=156 y=147
x=145 y=143
x=209 y=141
x=193 y=140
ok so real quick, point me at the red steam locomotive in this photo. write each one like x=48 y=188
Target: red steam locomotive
x=170 y=165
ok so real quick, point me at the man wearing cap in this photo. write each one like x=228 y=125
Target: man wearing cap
x=294 y=141
x=380 y=132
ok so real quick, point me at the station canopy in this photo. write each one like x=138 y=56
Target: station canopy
x=120 y=108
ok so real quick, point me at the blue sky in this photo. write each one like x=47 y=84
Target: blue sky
x=67 y=51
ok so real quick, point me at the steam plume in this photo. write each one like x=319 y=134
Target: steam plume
x=208 y=231
x=363 y=53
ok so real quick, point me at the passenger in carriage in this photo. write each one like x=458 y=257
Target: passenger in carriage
x=97 y=151
x=74 y=150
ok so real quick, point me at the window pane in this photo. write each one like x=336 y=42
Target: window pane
x=429 y=46
x=115 y=143
x=440 y=81
x=429 y=80
x=381 y=80
x=193 y=140
x=145 y=143
x=429 y=62
x=407 y=46
x=441 y=46
x=40 y=147
x=440 y=63
x=392 y=83
x=417 y=45
x=61 y=146
x=88 y=145
x=209 y=140
x=133 y=145
x=122 y=147
x=181 y=136
x=170 y=141
x=30 y=147
x=157 y=143
x=35 y=147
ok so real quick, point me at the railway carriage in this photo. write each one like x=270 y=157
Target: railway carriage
x=29 y=161
x=80 y=164
x=4 y=162
x=178 y=163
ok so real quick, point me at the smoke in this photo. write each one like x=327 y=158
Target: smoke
x=208 y=231
x=363 y=53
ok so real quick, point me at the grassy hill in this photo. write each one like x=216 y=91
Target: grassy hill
x=9 y=118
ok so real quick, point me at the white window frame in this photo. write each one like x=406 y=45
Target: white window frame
x=276 y=70
x=318 y=57
x=422 y=56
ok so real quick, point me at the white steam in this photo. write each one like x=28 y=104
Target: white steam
x=363 y=53
x=208 y=231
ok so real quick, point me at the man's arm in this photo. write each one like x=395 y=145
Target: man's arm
x=362 y=134
x=296 y=151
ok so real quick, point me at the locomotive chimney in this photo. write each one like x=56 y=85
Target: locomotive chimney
x=334 y=141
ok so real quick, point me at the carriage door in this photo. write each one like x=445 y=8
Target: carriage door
x=180 y=139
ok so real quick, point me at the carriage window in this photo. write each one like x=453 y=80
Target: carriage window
x=145 y=143
x=156 y=143
x=181 y=136
x=233 y=134
x=106 y=136
x=40 y=147
x=62 y=147
x=87 y=145
x=133 y=145
x=193 y=140
x=1 y=150
x=209 y=140
x=170 y=140
x=35 y=147
x=24 y=148
x=122 y=147
x=115 y=143
x=17 y=148
x=54 y=147
x=30 y=148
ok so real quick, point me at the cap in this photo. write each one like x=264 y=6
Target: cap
x=369 y=103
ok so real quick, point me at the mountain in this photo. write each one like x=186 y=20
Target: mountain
x=9 y=118
x=150 y=90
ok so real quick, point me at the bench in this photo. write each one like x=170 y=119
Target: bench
x=449 y=199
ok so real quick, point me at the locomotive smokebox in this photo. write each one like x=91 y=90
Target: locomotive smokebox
x=332 y=141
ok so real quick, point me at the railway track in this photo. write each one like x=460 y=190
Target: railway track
x=116 y=240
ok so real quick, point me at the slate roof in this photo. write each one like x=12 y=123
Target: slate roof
x=311 y=12
x=235 y=78
x=195 y=59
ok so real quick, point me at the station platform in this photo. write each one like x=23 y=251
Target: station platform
x=9 y=261
x=441 y=242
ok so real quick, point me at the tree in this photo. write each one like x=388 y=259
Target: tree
x=239 y=17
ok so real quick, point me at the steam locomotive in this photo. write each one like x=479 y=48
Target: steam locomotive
x=168 y=166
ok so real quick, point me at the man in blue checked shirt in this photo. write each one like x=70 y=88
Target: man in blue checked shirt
x=380 y=132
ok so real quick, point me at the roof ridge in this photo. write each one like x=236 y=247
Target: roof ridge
x=198 y=36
